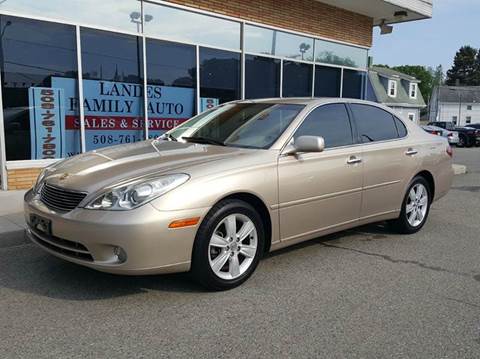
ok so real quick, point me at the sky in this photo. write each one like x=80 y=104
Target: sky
x=430 y=42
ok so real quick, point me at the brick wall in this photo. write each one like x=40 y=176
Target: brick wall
x=22 y=178
x=308 y=16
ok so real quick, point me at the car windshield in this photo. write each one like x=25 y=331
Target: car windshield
x=250 y=125
x=450 y=126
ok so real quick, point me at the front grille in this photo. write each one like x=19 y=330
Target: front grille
x=59 y=198
x=67 y=248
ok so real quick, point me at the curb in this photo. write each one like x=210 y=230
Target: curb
x=459 y=169
x=12 y=239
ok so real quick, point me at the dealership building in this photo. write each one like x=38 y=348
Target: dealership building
x=79 y=75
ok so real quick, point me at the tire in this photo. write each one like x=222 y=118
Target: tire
x=221 y=259
x=469 y=142
x=462 y=141
x=404 y=224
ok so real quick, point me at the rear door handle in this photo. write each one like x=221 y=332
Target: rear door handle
x=354 y=160
x=411 y=152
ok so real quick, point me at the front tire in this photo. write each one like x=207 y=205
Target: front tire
x=415 y=207
x=228 y=245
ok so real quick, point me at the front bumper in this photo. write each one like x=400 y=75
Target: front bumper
x=131 y=242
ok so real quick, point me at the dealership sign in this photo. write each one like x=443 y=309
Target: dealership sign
x=113 y=114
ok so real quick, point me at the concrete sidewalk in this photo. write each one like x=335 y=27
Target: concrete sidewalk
x=12 y=222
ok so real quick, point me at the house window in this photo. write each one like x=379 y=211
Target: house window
x=469 y=107
x=411 y=116
x=469 y=119
x=413 y=90
x=454 y=119
x=392 y=88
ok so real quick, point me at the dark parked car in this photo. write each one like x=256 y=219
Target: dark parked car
x=468 y=136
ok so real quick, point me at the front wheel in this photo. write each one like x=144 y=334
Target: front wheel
x=415 y=207
x=228 y=245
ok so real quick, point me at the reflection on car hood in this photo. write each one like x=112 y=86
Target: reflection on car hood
x=96 y=170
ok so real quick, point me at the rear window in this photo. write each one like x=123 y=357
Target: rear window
x=374 y=124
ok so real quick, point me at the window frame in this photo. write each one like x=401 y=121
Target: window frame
x=390 y=88
x=413 y=89
x=413 y=116
x=355 y=121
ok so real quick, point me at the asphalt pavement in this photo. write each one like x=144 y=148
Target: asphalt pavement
x=363 y=293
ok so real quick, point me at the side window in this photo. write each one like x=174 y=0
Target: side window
x=329 y=121
x=401 y=129
x=373 y=123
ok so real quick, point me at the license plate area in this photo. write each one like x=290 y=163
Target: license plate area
x=41 y=224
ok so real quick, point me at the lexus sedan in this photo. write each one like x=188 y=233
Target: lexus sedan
x=235 y=182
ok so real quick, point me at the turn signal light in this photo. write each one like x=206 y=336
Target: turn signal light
x=187 y=222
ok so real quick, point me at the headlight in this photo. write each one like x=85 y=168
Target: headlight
x=136 y=193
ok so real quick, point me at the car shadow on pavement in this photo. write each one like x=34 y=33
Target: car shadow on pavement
x=39 y=273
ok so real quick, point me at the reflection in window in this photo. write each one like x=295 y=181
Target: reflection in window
x=297 y=79
x=219 y=77
x=373 y=123
x=340 y=54
x=182 y=25
x=330 y=122
x=39 y=69
x=272 y=42
x=117 y=14
x=353 y=84
x=262 y=77
x=112 y=88
x=171 y=72
x=327 y=81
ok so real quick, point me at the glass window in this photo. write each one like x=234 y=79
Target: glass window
x=340 y=54
x=112 y=88
x=353 y=84
x=272 y=42
x=401 y=129
x=413 y=90
x=330 y=122
x=469 y=107
x=182 y=25
x=392 y=88
x=171 y=72
x=219 y=77
x=327 y=81
x=40 y=92
x=297 y=79
x=373 y=123
x=469 y=119
x=117 y=14
x=262 y=77
x=251 y=125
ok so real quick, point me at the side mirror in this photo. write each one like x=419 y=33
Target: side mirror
x=305 y=144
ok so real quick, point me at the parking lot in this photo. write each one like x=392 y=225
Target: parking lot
x=364 y=293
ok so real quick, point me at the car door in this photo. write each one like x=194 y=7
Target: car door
x=389 y=159
x=321 y=190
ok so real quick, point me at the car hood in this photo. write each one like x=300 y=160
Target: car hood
x=96 y=170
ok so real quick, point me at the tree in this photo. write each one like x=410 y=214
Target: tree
x=476 y=71
x=422 y=74
x=463 y=70
x=438 y=76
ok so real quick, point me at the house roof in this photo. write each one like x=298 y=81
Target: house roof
x=467 y=94
x=403 y=97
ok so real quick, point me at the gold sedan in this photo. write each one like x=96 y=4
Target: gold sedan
x=214 y=194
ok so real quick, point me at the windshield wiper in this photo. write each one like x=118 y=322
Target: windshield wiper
x=205 y=140
x=169 y=136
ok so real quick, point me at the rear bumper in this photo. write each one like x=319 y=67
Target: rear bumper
x=121 y=242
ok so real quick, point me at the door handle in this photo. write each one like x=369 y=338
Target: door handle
x=411 y=152
x=354 y=160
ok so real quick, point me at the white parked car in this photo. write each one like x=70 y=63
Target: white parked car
x=452 y=136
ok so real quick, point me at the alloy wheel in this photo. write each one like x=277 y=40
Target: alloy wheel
x=417 y=205
x=233 y=246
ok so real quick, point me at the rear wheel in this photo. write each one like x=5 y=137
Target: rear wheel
x=415 y=207
x=228 y=245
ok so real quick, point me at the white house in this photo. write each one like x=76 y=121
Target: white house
x=457 y=104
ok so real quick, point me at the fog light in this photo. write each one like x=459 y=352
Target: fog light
x=120 y=253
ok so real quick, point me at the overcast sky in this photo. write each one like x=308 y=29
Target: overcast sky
x=431 y=42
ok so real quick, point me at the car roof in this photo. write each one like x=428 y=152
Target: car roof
x=305 y=100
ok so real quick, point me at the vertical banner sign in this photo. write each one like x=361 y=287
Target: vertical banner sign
x=207 y=103
x=47 y=126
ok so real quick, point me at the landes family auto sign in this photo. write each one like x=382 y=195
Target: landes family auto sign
x=113 y=114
